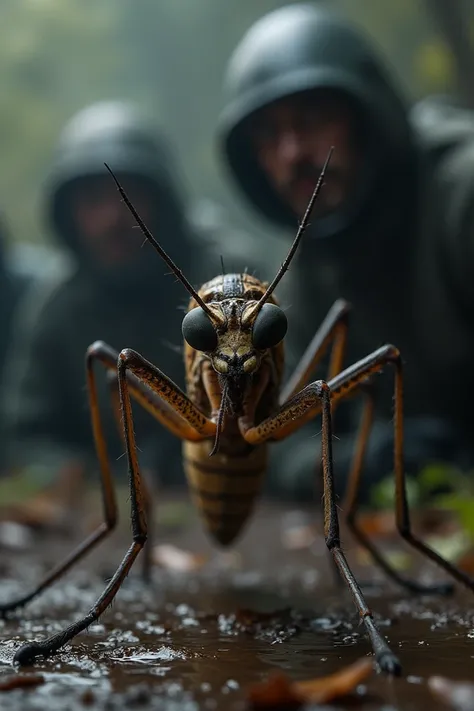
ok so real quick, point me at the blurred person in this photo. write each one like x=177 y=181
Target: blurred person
x=14 y=284
x=392 y=232
x=115 y=289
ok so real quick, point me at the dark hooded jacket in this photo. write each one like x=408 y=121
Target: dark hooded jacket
x=401 y=249
x=48 y=421
x=13 y=287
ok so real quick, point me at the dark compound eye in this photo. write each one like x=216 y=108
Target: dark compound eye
x=270 y=327
x=198 y=331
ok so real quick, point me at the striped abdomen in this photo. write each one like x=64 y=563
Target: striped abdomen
x=224 y=487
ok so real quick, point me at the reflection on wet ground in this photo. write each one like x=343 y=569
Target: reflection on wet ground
x=194 y=639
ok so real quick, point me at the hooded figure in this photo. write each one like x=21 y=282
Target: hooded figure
x=14 y=284
x=392 y=231
x=117 y=289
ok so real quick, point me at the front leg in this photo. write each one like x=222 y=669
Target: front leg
x=331 y=333
x=316 y=398
x=128 y=360
x=164 y=401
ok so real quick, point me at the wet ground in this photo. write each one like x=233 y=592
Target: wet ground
x=198 y=639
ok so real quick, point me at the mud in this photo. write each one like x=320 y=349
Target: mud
x=195 y=639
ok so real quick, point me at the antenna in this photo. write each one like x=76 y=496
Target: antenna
x=160 y=249
x=304 y=224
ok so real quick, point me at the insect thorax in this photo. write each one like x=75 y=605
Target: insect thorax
x=232 y=286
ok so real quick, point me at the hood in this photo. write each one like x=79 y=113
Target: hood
x=113 y=132
x=302 y=48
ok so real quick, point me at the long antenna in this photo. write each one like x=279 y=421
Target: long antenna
x=159 y=248
x=271 y=287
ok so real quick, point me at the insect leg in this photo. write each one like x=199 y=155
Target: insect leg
x=147 y=479
x=149 y=386
x=384 y=356
x=315 y=399
x=163 y=404
x=350 y=505
x=303 y=407
x=108 y=499
x=332 y=330
x=385 y=658
x=127 y=359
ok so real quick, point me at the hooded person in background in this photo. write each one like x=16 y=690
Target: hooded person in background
x=13 y=286
x=392 y=230
x=116 y=290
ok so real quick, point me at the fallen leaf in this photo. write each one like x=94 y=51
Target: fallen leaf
x=248 y=618
x=335 y=685
x=458 y=694
x=278 y=691
x=21 y=681
x=173 y=558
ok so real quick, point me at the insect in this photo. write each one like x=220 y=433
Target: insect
x=234 y=332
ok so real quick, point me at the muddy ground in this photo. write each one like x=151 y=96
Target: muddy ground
x=186 y=642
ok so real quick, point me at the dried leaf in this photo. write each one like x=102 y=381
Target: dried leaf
x=173 y=558
x=276 y=692
x=458 y=694
x=21 y=681
x=335 y=685
x=280 y=692
x=248 y=618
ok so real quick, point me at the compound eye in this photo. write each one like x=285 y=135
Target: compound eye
x=198 y=331
x=270 y=327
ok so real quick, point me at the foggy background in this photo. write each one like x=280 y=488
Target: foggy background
x=57 y=56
